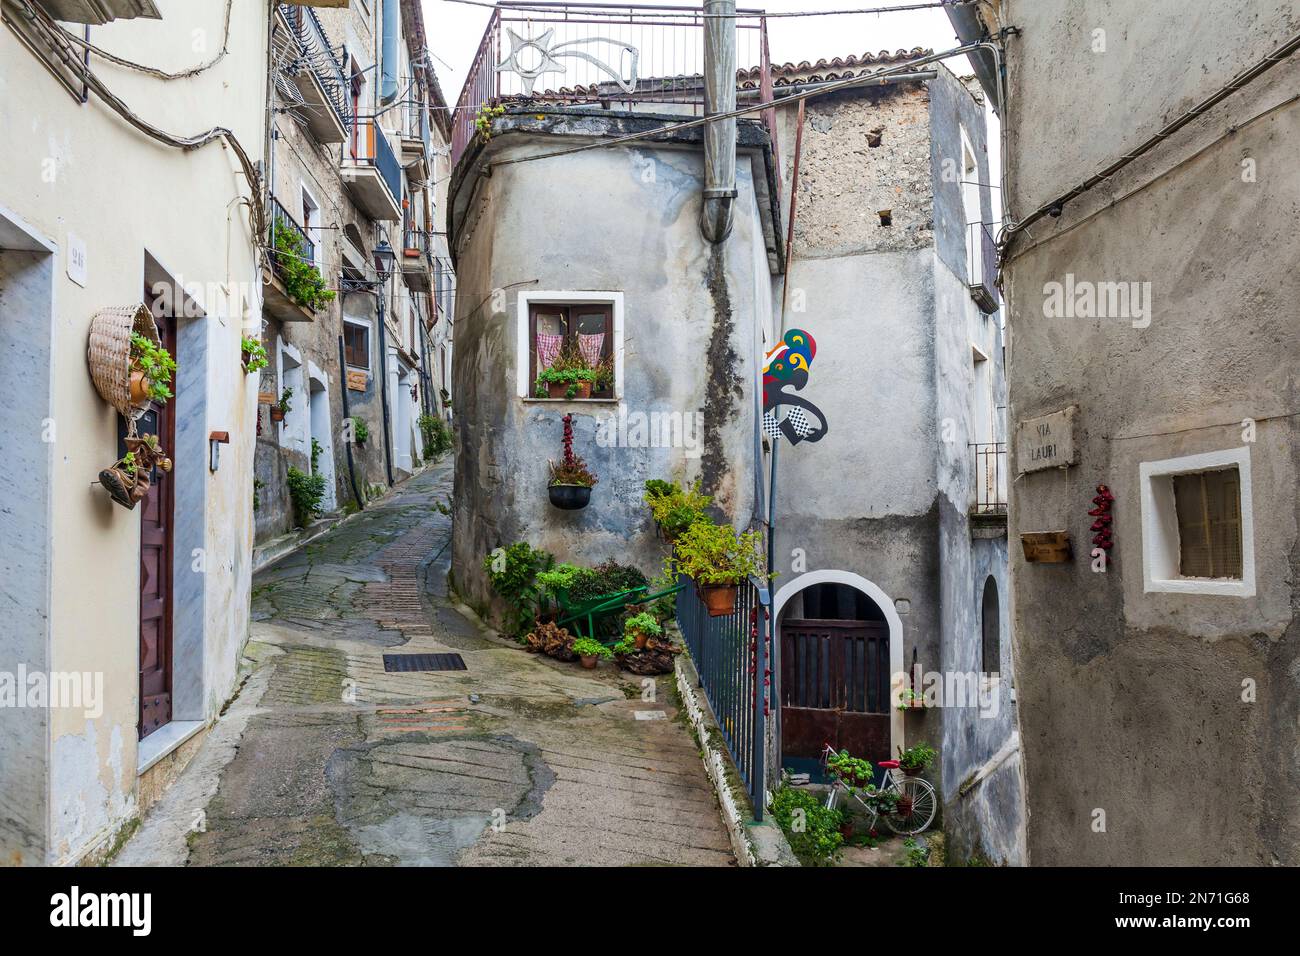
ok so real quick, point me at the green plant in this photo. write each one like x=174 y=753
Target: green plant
x=715 y=554
x=283 y=403
x=155 y=362
x=908 y=698
x=569 y=368
x=436 y=434
x=254 y=355
x=258 y=485
x=624 y=646
x=603 y=380
x=588 y=647
x=918 y=757
x=854 y=771
x=302 y=280
x=512 y=572
x=643 y=623
x=315 y=455
x=812 y=829
x=483 y=119
x=305 y=493
x=360 y=431
x=675 y=508
x=607 y=578
x=917 y=855
x=129 y=464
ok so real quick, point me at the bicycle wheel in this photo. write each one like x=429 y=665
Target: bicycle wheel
x=915 y=809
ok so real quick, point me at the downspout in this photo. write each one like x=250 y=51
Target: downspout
x=383 y=382
x=352 y=474
x=720 y=136
x=388 y=52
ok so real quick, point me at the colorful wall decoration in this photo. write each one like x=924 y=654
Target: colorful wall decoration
x=787 y=367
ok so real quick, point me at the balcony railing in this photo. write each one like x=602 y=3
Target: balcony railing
x=982 y=266
x=730 y=658
x=370 y=147
x=316 y=53
x=601 y=53
x=990 y=478
x=281 y=216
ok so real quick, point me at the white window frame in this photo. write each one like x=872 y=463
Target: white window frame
x=370 y=343
x=523 y=387
x=1160 y=552
x=309 y=197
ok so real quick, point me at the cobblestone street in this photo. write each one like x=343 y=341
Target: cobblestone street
x=323 y=758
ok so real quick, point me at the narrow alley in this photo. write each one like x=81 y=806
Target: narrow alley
x=324 y=758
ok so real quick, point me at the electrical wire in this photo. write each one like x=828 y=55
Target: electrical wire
x=151 y=70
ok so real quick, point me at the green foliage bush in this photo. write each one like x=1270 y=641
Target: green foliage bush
x=675 y=508
x=586 y=647
x=306 y=493
x=513 y=573
x=360 y=430
x=436 y=434
x=302 y=280
x=712 y=553
x=814 y=833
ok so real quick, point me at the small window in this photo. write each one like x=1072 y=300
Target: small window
x=1198 y=534
x=991 y=629
x=356 y=345
x=586 y=329
x=1208 y=505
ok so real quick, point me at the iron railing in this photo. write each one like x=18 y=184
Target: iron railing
x=281 y=215
x=370 y=147
x=732 y=660
x=316 y=54
x=982 y=265
x=990 y=477
x=602 y=53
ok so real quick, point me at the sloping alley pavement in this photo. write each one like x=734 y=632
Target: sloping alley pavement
x=324 y=758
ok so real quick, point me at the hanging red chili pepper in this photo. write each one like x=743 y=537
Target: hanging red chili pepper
x=1101 y=525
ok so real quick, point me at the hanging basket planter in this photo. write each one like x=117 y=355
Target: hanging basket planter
x=569 y=497
x=720 y=599
x=108 y=355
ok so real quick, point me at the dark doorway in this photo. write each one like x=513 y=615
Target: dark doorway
x=834 y=676
x=991 y=629
x=156 y=554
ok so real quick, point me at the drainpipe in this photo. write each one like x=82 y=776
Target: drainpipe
x=352 y=474
x=388 y=54
x=383 y=381
x=720 y=136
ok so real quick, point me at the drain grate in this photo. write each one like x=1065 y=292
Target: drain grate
x=397 y=663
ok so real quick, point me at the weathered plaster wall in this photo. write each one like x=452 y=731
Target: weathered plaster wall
x=1127 y=696
x=200 y=238
x=689 y=346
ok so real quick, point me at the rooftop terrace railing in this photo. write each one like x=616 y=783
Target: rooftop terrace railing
x=616 y=55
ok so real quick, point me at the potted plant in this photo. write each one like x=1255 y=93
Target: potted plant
x=911 y=699
x=552 y=586
x=569 y=376
x=640 y=627
x=253 y=356
x=591 y=652
x=853 y=771
x=673 y=507
x=914 y=760
x=717 y=559
x=571 y=481
x=603 y=377
x=282 y=407
x=360 y=431
x=151 y=369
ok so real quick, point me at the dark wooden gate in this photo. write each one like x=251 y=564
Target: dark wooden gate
x=156 y=531
x=835 y=687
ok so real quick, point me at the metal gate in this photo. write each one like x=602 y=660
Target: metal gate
x=835 y=687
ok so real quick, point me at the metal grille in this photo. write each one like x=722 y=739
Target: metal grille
x=401 y=663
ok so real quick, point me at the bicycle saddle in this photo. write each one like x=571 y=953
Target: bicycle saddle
x=888 y=764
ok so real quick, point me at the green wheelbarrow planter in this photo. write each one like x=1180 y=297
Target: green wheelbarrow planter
x=581 y=618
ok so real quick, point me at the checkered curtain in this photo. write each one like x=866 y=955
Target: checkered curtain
x=548 y=347
x=591 y=346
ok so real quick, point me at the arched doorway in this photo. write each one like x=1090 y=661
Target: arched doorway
x=841 y=650
x=990 y=629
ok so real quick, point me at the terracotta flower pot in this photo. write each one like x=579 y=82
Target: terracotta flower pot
x=584 y=389
x=846 y=830
x=590 y=662
x=277 y=413
x=139 y=387
x=639 y=638
x=720 y=599
x=557 y=389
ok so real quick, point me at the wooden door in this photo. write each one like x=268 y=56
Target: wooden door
x=156 y=552
x=835 y=688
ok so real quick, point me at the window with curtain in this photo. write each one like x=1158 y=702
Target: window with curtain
x=1208 y=506
x=589 y=328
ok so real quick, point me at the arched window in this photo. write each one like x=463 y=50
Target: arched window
x=991 y=626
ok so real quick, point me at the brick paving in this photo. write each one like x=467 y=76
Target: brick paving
x=326 y=758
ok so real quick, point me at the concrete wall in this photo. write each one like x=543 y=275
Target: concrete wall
x=886 y=495
x=54 y=179
x=1131 y=699
x=623 y=220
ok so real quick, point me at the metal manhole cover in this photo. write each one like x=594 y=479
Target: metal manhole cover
x=423 y=662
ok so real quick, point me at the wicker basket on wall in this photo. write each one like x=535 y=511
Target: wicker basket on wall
x=109 y=353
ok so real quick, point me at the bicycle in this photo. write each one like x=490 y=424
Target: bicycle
x=908 y=804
